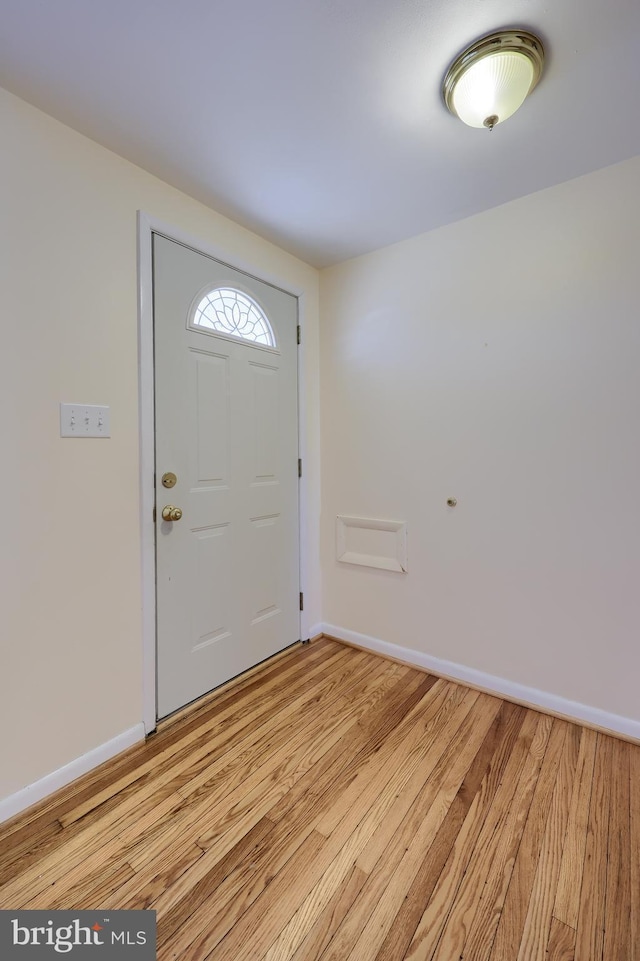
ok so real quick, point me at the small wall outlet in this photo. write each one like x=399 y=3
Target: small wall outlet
x=84 y=420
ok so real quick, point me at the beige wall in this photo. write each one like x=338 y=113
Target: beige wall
x=495 y=360
x=498 y=361
x=70 y=608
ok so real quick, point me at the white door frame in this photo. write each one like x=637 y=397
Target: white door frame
x=147 y=225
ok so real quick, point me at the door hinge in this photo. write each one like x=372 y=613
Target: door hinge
x=154 y=514
x=299 y=335
x=301 y=601
x=299 y=466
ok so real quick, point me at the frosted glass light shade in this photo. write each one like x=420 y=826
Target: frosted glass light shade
x=489 y=81
x=493 y=87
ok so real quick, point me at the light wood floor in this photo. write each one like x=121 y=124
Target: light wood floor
x=337 y=806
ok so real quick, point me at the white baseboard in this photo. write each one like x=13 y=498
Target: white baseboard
x=315 y=631
x=15 y=803
x=530 y=696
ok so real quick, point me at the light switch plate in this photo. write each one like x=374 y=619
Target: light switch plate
x=84 y=420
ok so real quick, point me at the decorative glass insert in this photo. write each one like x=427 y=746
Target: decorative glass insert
x=229 y=311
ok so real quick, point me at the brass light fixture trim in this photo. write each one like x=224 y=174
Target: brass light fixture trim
x=509 y=41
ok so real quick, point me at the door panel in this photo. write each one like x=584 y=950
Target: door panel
x=226 y=425
x=209 y=420
x=265 y=389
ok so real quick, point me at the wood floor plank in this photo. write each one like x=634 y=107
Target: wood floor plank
x=95 y=890
x=634 y=853
x=336 y=806
x=234 y=813
x=258 y=752
x=246 y=756
x=197 y=887
x=591 y=914
x=441 y=790
x=296 y=707
x=242 y=916
x=480 y=709
x=514 y=913
x=340 y=765
x=431 y=795
x=446 y=701
x=225 y=909
x=487 y=808
x=473 y=926
x=21 y=849
x=266 y=858
x=562 y=942
x=100 y=858
x=617 y=927
x=568 y=896
x=323 y=928
x=537 y=926
x=74 y=854
x=253 y=798
x=399 y=936
x=350 y=832
x=321 y=895
x=351 y=749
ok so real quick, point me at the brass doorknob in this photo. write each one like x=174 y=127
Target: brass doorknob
x=171 y=513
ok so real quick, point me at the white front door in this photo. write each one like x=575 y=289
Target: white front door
x=227 y=428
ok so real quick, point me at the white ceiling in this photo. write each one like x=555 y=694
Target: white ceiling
x=319 y=123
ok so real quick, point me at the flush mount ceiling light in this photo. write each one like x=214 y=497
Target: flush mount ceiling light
x=489 y=80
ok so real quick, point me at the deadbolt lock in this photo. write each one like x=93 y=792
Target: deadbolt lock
x=169 y=479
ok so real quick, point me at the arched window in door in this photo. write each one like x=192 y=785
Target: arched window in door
x=225 y=310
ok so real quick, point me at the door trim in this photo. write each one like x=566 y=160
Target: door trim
x=147 y=225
